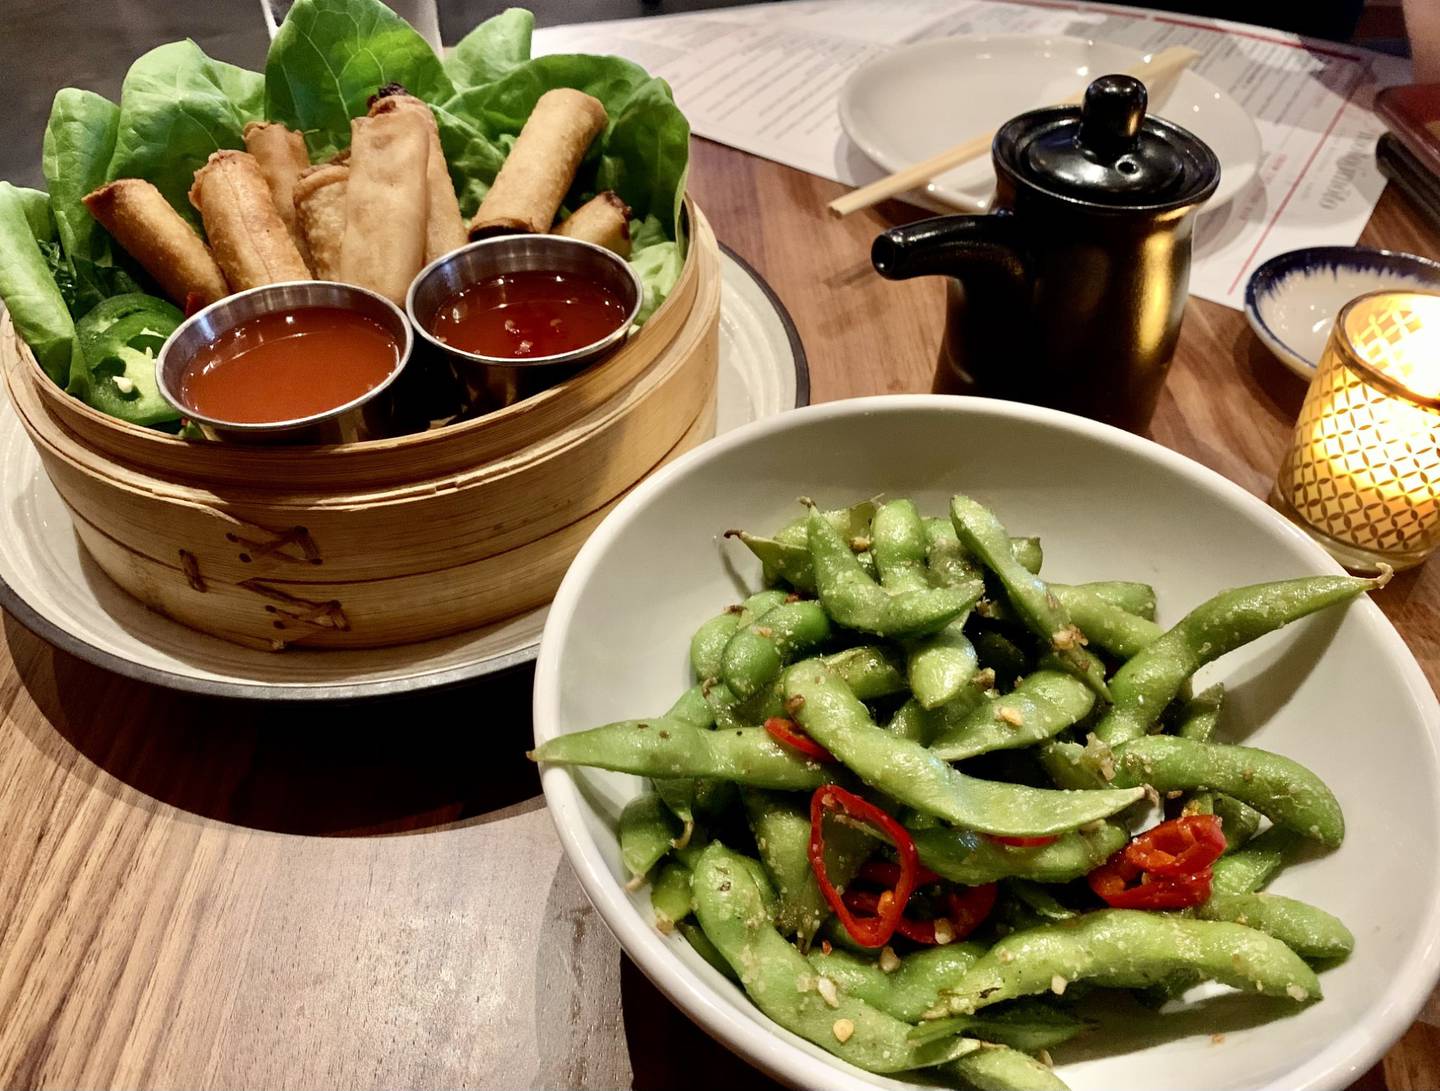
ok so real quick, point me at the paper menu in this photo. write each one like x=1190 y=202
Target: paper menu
x=766 y=79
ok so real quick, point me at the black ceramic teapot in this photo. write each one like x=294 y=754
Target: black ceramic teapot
x=1070 y=293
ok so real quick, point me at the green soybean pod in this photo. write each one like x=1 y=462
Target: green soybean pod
x=1283 y=790
x=1254 y=864
x=787 y=552
x=1041 y=706
x=962 y=857
x=1001 y=1068
x=670 y=895
x=1022 y=1024
x=1199 y=717
x=1129 y=595
x=1028 y=554
x=952 y=563
x=1078 y=768
x=1136 y=947
x=1147 y=683
x=1117 y=631
x=908 y=990
x=784 y=986
x=911 y=774
x=984 y=535
x=897 y=539
x=708 y=643
x=1306 y=929
x=647 y=831
x=756 y=652
x=1239 y=821
x=672 y=748
x=998 y=653
x=910 y=722
x=696 y=937
x=856 y=601
x=939 y=667
x=781 y=825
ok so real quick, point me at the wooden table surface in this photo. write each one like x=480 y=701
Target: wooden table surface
x=198 y=893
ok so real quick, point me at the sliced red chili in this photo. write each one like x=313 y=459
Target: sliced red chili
x=969 y=907
x=1113 y=880
x=788 y=733
x=868 y=902
x=1022 y=842
x=873 y=931
x=1178 y=848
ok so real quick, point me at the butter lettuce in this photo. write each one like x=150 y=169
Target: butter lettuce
x=176 y=107
x=330 y=56
x=491 y=50
x=28 y=286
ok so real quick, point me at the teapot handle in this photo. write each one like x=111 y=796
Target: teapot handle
x=951 y=246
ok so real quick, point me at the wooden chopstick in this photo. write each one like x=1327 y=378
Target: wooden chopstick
x=1161 y=65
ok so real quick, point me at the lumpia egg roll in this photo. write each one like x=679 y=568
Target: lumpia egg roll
x=250 y=241
x=603 y=220
x=156 y=236
x=320 y=212
x=444 y=226
x=386 y=203
x=281 y=155
x=542 y=164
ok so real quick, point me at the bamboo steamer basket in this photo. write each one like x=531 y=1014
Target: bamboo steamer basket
x=388 y=541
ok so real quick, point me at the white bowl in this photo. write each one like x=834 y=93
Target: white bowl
x=1339 y=692
x=913 y=101
x=1291 y=301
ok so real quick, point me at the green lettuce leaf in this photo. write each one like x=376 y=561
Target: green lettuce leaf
x=28 y=287
x=36 y=207
x=176 y=107
x=330 y=56
x=79 y=144
x=492 y=49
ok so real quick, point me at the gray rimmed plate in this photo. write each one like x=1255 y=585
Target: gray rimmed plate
x=53 y=588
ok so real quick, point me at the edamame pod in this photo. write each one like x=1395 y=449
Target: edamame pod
x=1078 y=768
x=998 y=653
x=1200 y=715
x=1147 y=683
x=897 y=539
x=787 y=553
x=1136 y=947
x=962 y=857
x=854 y=600
x=870 y=671
x=984 y=535
x=1000 y=1068
x=756 y=652
x=672 y=748
x=784 y=986
x=647 y=832
x=906 y=992
x=781 y=825
x=1041 y=706
x=696 y=937
x=1283 y=790
x=1306 y=929
x=909 y=773
x=1251 y=866
x=939 y=667
x=1131 y=596
x=670 y=895
x=1117 y=631
x=707 y=646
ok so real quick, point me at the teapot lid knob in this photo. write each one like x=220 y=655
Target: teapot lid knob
x=1110 y=117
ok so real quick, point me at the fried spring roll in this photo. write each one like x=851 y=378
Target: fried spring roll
x=386 y=203
x=157 y=236
x=444 y=226
x=281 y=154
x=540 y=167
x=320 y=212
x=250 y=241
x=603 y=220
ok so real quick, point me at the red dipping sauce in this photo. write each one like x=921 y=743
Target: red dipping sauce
x=521 y=315
x=287 y=365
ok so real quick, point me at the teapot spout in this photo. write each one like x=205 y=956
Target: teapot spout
x=953 y=246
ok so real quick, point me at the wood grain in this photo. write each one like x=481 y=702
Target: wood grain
x=208 y=894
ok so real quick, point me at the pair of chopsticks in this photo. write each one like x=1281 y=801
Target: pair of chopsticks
x=1152 y=71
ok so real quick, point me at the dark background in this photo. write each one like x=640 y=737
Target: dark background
x=50 y=44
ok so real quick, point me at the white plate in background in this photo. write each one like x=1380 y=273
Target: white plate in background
x=912 y=102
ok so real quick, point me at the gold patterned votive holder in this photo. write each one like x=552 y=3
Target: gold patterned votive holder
x=1362 y=474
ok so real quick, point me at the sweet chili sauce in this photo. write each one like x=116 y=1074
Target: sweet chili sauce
x=288 y=364
x=528 y=314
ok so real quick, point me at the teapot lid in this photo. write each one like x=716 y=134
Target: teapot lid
x=1108 y=152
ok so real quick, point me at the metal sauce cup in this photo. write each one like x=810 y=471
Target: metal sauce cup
x=493 y=382
x=367 y=417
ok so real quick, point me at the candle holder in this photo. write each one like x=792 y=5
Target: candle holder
x=1362 y=474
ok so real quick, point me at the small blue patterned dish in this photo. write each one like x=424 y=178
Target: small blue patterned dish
x=1291 y=301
